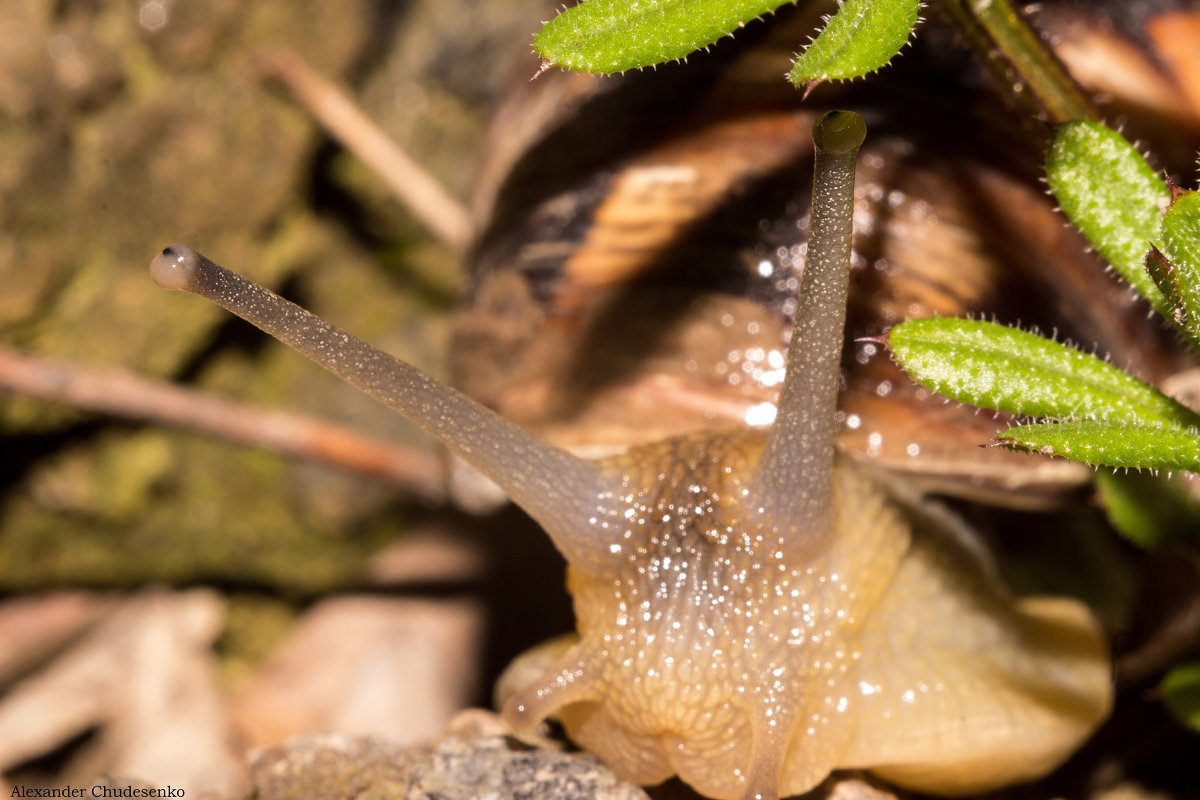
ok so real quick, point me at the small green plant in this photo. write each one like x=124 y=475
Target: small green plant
x=1106 y=188
x=1093 y=412
x=860 y=37
x=1084 y=408
x=616 y=35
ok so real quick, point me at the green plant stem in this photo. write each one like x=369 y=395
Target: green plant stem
x=1021 y=59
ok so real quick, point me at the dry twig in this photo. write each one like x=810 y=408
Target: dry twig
x=124 y=394
x=426 y=199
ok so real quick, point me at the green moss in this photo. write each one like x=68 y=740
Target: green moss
x=254 y=624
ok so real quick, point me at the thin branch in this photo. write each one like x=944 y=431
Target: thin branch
x=124 y=394
x=1011 y=47
x=426 y=199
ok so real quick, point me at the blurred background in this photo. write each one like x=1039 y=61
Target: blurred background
x=125 y=126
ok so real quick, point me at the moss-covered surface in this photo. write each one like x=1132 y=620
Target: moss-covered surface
x=118 y=137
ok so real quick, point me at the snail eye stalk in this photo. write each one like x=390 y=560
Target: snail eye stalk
x=794 y=478
x=553 y=486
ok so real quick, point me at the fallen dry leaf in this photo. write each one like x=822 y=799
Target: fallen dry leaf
x=397 y=669
x=143 y=679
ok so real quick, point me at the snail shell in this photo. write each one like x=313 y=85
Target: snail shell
x=636 y=275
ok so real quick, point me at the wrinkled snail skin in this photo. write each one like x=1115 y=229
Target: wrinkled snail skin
x=752 y=610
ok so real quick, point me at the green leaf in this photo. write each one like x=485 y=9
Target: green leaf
x=1106 y=188
x=861 y=37
x=1108 y=444
x=995 y=366
x=1181 y=267
x=616 y=35
x=1151 y=511
x=1181 y=693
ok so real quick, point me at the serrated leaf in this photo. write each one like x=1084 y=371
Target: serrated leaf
x=1106 y=188
x=615 y=35
x=1181 y=694
x=860 y=38
x=1152 y=511
x=1108 y=444
x=1181 y=270
x=994 y=366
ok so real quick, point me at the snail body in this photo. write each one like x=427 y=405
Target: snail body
x=754 y=610
x=734 y=667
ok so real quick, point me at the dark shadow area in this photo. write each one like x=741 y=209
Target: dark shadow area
x=525 y=595
x=48 y=768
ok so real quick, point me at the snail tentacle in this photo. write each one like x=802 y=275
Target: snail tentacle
x=556 y=488
x=569 y=681
x=793 y=485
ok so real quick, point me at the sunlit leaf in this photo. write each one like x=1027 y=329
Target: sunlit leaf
x=1106 y=188
x=994 y=366
x=616 y=35
x=1108 y=444
x=860 y=38
x=1180 y=266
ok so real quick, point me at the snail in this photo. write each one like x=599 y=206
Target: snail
x=754 y=609
x=636 y=285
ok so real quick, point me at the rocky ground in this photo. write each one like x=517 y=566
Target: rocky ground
x=125 y=126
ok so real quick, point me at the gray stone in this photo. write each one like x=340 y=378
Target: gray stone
x=491 y=766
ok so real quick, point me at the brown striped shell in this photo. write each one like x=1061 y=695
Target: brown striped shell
x=633 y=280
